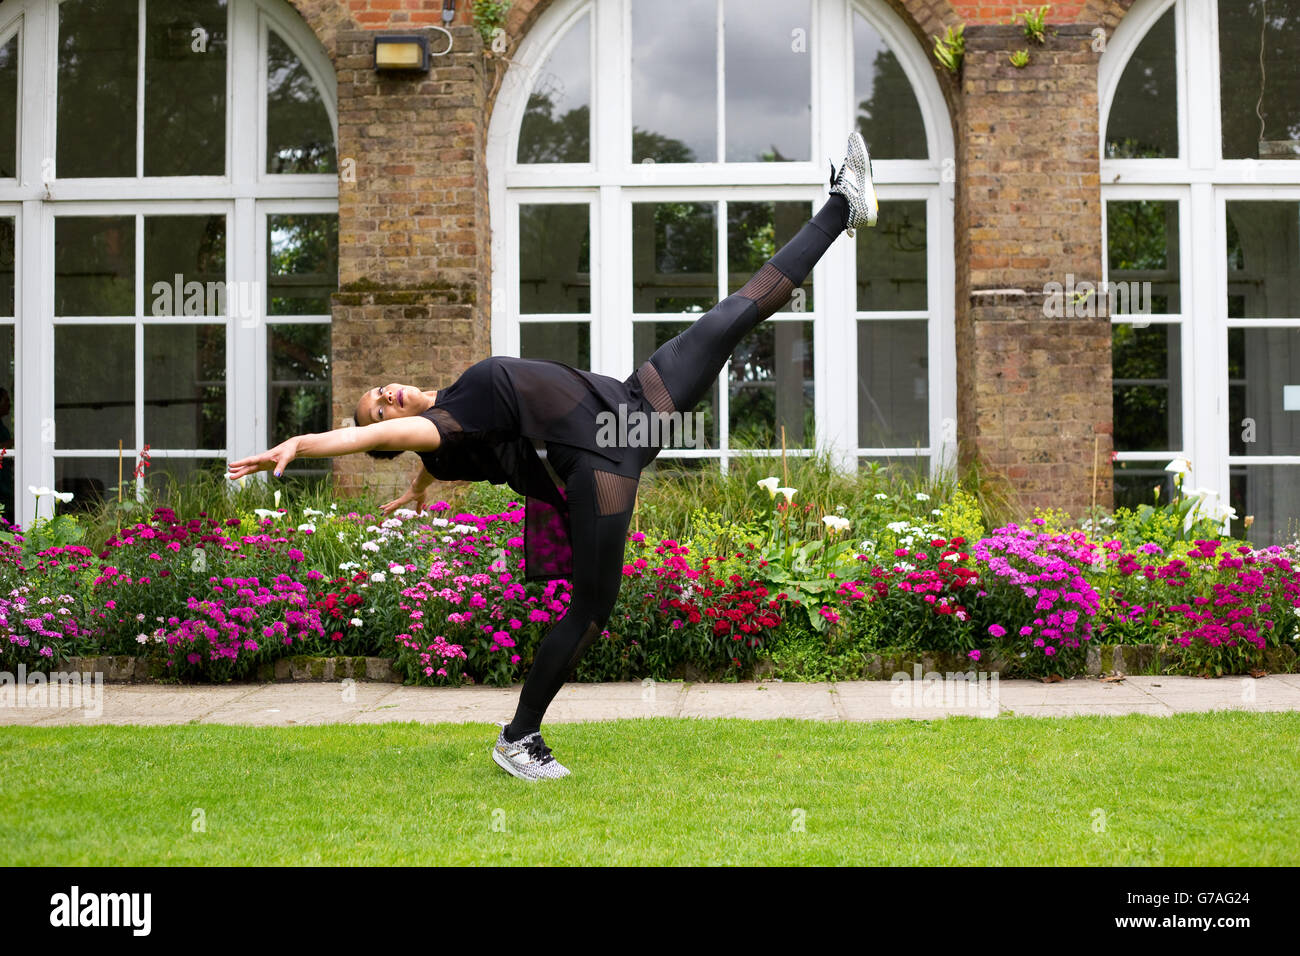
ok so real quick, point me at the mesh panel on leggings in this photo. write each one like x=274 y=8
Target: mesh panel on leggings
x=654 y=389
x=614 y=493
x=769 y=289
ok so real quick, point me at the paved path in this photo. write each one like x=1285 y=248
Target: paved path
x=348 y=702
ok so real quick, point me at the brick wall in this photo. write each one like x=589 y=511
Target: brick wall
x=415 y=228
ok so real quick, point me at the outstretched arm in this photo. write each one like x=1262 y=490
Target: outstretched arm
x=398 y=434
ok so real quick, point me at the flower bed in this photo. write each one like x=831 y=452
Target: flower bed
x=442 y=594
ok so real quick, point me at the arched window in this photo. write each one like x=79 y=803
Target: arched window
x=623 y=209
x=1201 y=189
x=168 y=238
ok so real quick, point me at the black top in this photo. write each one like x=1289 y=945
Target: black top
x=495 y=417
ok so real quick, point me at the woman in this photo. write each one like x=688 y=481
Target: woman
x=492 y=423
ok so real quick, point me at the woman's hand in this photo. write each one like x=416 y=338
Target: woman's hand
x=276 y=459
x=410 y=495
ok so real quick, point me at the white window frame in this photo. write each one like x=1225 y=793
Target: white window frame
x=245 y=194
x=611 y=183
x=1203 y=183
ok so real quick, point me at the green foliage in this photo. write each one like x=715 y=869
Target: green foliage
x=489 y=16
x=1020 y=59
x=1035 y=25
x=951 y=47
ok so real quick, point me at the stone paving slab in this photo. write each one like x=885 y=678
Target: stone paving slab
x=291 y=704
x=760 y=701
x=324 y=703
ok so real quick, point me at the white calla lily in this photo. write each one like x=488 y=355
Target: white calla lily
x=770 y=484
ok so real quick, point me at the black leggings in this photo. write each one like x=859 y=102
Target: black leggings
x=601 y=501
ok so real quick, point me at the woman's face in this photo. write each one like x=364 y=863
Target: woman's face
x=385 y=402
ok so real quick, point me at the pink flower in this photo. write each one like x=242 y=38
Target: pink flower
x=997 y=630
x=974 y=655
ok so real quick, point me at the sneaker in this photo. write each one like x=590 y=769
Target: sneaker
x=527 y=758
x=853 y=182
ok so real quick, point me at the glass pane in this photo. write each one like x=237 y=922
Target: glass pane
x=185 y=386
x=557 y=121
x=185 y=88
x=92 y=481
x=8 y=239
x=1263 y=260
x=893 y=384
x=9 y=108
x=567 y=342
x=648 y=337
x=94 y=386
x=905 y=468
x=755 y=230
x=1135 y=484
x=892 y=260
x=303 y=271
x=674 y=257
x=1264 y=391
x=768 y=80
x=889 y=117
x=554 y=258
x=8 y=465
x=771 y=387
x=185 y=265
x=94 y=265
x=1146 y=369
x=1259 y=78
x=164 y=473
x=1271 y=493
x=299 y=138
x=1143 y=120
x=298 y=374
x=1142 y=256
x=98 y=54
x=675 y=81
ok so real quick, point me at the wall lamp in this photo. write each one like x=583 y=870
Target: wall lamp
x=409 y=52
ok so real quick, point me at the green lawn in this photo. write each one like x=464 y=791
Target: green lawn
x=1210 y=789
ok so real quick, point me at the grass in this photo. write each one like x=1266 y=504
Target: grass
x=1014 y=790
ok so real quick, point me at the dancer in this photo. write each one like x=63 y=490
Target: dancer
x=492 y=423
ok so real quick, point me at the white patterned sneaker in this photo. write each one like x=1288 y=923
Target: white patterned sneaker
x=853 y=182
x=527 y=758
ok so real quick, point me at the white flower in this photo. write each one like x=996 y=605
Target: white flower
x=440 y=522
x=349 y=566
x=355 y=622
x=1179 y=466
x=340 y=535
x=141 y=638
x=835 y=523
x=770 y=484
x=788 y=492
x=378 y=577
x=312 y=512
x=372 y=529
x=936 y=511
x=277 y=497
x=397 y=569
x=392 y=523
x=898 y=527
x=462 y=529
x=369 y=546
x=39 y=492
x=405 y=512
x=306 y=527
x=922 y=496
x=881 y=496
x=64 y=496
x=265 y=513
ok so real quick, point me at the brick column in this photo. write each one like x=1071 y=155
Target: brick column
x=1034 y=391
x=414 y=234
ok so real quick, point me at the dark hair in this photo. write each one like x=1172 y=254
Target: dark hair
x=373 y=452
